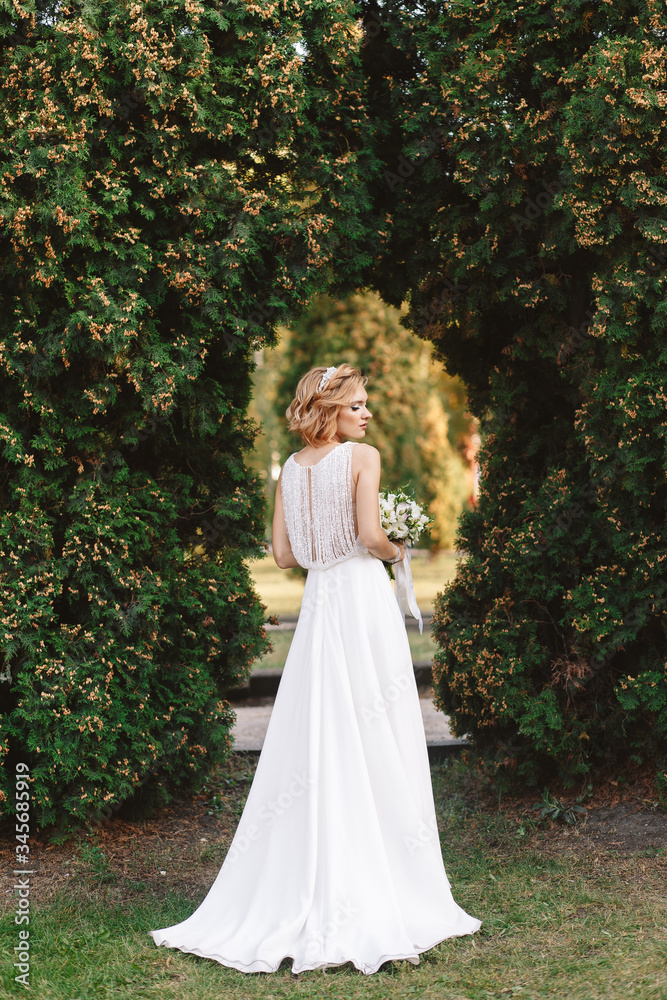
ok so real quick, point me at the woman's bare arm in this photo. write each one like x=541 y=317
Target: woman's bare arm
x=371 y=533
x=282 y=550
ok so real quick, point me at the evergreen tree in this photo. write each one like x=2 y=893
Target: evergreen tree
x=523 y=202
x=176 y=177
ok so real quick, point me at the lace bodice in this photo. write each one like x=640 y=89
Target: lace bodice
x=319 y=513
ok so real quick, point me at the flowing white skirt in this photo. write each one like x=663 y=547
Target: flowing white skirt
x=336 y=857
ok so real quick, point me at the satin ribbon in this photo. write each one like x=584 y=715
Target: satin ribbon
x=405 y=590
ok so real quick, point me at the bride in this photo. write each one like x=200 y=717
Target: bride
x=336 y=857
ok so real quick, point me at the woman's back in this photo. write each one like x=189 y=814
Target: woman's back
x=322 y=867
x=319 y=511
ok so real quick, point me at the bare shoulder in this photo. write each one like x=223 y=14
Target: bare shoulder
x=365 y=456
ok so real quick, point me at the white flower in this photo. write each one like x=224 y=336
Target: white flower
x=402 y=517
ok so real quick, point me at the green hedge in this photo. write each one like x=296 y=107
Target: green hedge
x=524 y=185
x=170 y=180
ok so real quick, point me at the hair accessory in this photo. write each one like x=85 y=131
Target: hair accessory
x=327 y=375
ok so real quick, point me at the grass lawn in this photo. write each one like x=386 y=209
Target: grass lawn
x=282 y=589
x=562 y=916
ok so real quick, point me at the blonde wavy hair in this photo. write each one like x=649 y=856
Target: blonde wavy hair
x=313 y=414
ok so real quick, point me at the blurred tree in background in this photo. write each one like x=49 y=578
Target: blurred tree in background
x=419 y=422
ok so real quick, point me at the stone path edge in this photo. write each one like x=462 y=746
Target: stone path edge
x=438 y=750
x=264 y=683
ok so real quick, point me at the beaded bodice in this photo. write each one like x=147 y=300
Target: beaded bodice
x=319 y=513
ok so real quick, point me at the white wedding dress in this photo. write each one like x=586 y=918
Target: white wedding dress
x=336 y=857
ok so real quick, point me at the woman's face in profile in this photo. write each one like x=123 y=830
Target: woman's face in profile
x=353 y=417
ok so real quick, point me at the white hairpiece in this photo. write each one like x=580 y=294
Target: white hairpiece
x=327 y=375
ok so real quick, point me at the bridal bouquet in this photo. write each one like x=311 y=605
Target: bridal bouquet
x=402 y=518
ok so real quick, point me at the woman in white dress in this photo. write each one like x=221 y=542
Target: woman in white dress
x=336 y=857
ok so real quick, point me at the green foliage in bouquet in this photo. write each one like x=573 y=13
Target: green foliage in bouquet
x=523 y=206
x=402 y=517
x=171 y=175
